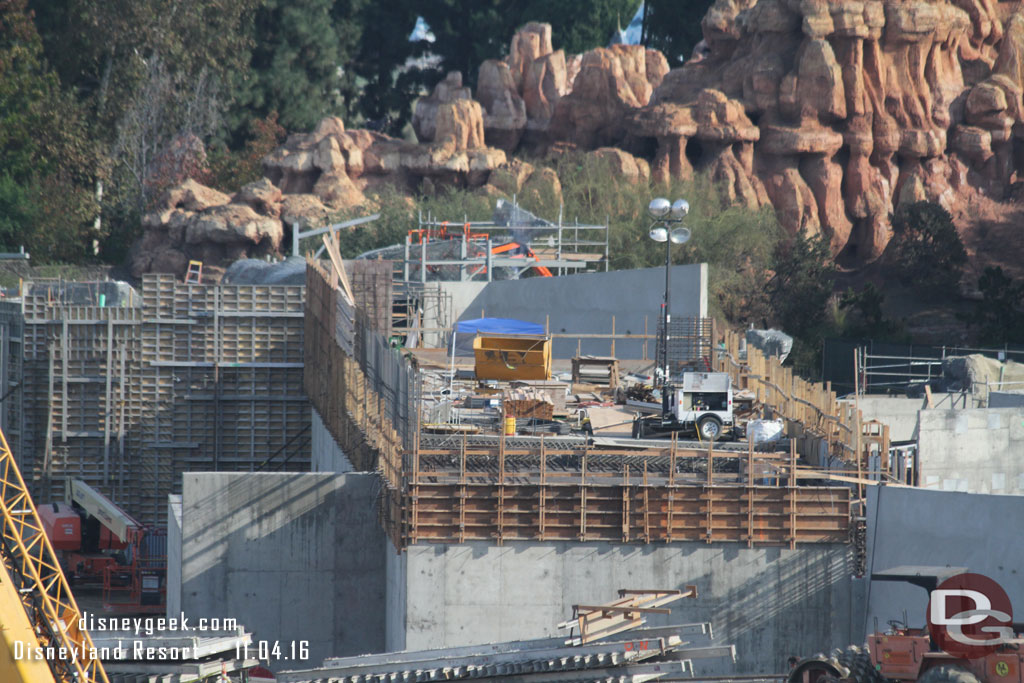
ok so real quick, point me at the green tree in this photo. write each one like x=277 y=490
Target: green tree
x=294 y=66
x=927 y=251
x=674 y=27
x=49 y=164
x=999 y=316
x=385 y=74
x=148 y=74
x=798 y=293
x=580 y=26
x=868 y=319
x=470 y=31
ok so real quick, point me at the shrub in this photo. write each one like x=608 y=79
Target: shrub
x=927 y=251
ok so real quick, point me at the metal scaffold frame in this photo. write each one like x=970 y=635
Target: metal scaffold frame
x=180 y=377
x=563 y=251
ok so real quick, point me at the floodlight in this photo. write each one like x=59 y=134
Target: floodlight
x=658 y=234
x=659 y=208
x=680 y=208
x=680 y=236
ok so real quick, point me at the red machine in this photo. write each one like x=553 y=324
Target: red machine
x=442 y=232
x=100 y=544
x=907 y=654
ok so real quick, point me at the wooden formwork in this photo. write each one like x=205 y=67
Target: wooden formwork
x=758 y=515
x=811 y=405
x=483 y=491
x=358 y=406
x=186 y=377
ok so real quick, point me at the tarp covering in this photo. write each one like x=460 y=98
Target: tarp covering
x=465 y=330
x=498 y=326
x=291 y=271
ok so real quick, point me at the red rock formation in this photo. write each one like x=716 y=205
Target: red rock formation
x=858 y=105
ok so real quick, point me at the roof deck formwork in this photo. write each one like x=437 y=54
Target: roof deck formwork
x=452 y=489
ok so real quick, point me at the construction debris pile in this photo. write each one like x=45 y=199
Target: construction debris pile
x=594 y=651
x=180 y=656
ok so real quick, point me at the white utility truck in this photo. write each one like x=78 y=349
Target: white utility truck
x=702 y=406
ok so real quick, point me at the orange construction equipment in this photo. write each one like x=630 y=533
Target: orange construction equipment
x=37 y=609
x=909 y=654
x=441 y=232
x=100 y=543
x=509 y=246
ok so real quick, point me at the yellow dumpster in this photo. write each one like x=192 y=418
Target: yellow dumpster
x=519 y=357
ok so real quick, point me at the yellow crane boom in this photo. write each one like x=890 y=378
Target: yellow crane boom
x=37 y=609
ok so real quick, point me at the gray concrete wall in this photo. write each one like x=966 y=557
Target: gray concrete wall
x=976 y=450
x=938 y=528
x=1006 y=399
x=396 y=600
x=325 y=454
x=585 y=303
x=291 y=556
x=769 y=602
x=173 y=555
x=898 y=412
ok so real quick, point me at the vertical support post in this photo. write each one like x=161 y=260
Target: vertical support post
x=791 y=490
x=423 y=259
x=750 y=492
x=462 y=490
x=217 y=433
x=488 y=257
x=501 y=489
x=108 y=408
x=583 y=495
x=295 y=238
x=48 y=454
x=647 y=507
x=462 y=255
x=558 y=254
x=645 y=337
x=405 y=262
x=625 y=503
x=64 y=354
x=667 y=318
x=606 y=244
x=120 y=426
x=543 y=485
x=613 y=337
x=710 y=489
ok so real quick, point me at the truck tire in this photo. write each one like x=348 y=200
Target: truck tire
x=852 y=664
x=947 y=673
x=709 y=428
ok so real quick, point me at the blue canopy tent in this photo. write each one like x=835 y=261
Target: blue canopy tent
x=497 y=326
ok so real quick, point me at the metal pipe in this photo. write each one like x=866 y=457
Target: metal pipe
x=667 y=317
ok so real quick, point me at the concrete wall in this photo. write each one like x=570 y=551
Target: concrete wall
x=976 y=450
x=325 y=454
x=938 y=528
x=585 y=303
x=396 y=601
x=291 y=556
x=898 y=412
x=769 y=602
x=173 y=555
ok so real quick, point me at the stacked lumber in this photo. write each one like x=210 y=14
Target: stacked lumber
x=527 y=402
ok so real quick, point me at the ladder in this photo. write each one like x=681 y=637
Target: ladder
x=30 y=566
x=194 y=274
